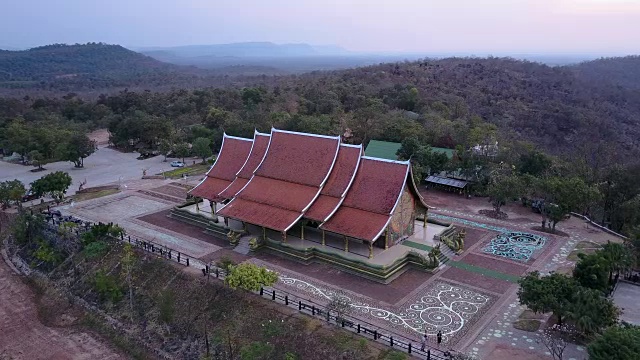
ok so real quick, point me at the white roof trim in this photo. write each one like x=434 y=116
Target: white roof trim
x=305 y=134
x=344 y=194
x=386 y=160
x=290 y=226
x=381 y=230
x=351 y=145
x=237 y=138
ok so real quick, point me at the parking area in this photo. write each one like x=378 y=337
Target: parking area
x=105 y=166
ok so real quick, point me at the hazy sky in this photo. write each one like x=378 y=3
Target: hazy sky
x=467 y=26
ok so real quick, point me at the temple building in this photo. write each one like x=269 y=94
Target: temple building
x=282 y=184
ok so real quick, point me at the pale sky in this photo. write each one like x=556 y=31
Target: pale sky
x=466 y=26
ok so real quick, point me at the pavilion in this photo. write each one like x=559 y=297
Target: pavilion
x=285 y=179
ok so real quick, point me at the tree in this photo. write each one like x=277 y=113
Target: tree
x=533 y=163
x=165 y=147
x=77 y=149
x=182 y=150
x=592 y=271
x=618 y=258
x=128 y=262
x=551 y=293
x=17 y=137
x=251 y=277
x=11 y=191
x=591 y=312
x=37 y=158
x=340 y=304
x=503 y=188
x=202 y=148
x=553 y=339
x=617 y=342
x=564 y=195
x=55 y=184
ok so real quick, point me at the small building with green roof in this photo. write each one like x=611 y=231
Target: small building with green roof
x=383 y=149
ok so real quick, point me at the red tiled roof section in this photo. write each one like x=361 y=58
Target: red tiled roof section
x=210 y=188
x=259 y=214
x=260 y=144
x=234 y=188
x=233 y=155
x=343 y=171
x=356 y=223
x=278 y=193
x=377 y=186
x=322 y=207
x=299 y=158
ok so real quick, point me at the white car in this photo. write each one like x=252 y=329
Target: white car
x=177 y=163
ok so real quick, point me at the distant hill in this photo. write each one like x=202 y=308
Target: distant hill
x=620 y=71
x=68 y=61
x=245 y=49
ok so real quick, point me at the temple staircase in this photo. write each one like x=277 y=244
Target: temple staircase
x=243 y=245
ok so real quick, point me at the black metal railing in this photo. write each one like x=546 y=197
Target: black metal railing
x=345 y=321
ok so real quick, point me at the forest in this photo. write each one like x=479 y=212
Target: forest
x=548 y=122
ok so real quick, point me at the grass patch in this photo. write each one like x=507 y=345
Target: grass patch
x=94 y=195
x=483 y=271
x=197 y=169
x=528 y=314
x=588 y=245
x=529 y=325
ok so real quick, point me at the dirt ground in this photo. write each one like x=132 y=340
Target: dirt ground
x=100 y=136
x=23 y=336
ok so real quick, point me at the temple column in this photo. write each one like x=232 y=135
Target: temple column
x=213 y=208
x=244 y=226
x=197 y=206
x=284 y=237
x=226 y=222
x=346 y=244
x=386 y=239
x=323 y=238
x=264 y=234
x=370 y=250
x=302 y=231
x=424 y=222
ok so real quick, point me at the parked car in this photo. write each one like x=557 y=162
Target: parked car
x=177 y=163
x=30 y=195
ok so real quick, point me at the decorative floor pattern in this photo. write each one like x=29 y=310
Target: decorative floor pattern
x=439 y=307
x=517 y=246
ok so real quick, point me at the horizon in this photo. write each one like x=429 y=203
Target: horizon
x=500 y=27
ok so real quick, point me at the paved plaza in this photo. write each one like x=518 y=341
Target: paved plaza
x=472 y=301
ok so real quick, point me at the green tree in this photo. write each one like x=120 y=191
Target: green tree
x=503 y=188
x=17 y=137
x=251 y=277
x=534 y=163
x=551 y=293
x=592 y=271
x=77 y=149
x=37 y=158
x=618 y=258
x=11 y=191
x=182 y=150
x=54 y=184
x=165 y=147
x=564 y=195
x=617 y=342
x=591 y=312
x=128 y=262
x=202 y=148
x=257 y=351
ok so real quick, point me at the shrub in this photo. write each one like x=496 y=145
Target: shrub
x=107 y=287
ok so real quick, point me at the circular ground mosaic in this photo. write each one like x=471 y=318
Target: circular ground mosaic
x=517 y=246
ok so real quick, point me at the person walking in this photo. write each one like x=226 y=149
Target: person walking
x=439 y=336
x=424 y=341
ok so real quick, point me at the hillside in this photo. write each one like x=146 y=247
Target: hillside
x=86 y=66
x=621 y=71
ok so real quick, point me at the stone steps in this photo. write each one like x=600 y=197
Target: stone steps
x=189 y=218
x=243 y=245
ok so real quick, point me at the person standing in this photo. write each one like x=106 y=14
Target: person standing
x=439 y=336
x=424 y=341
